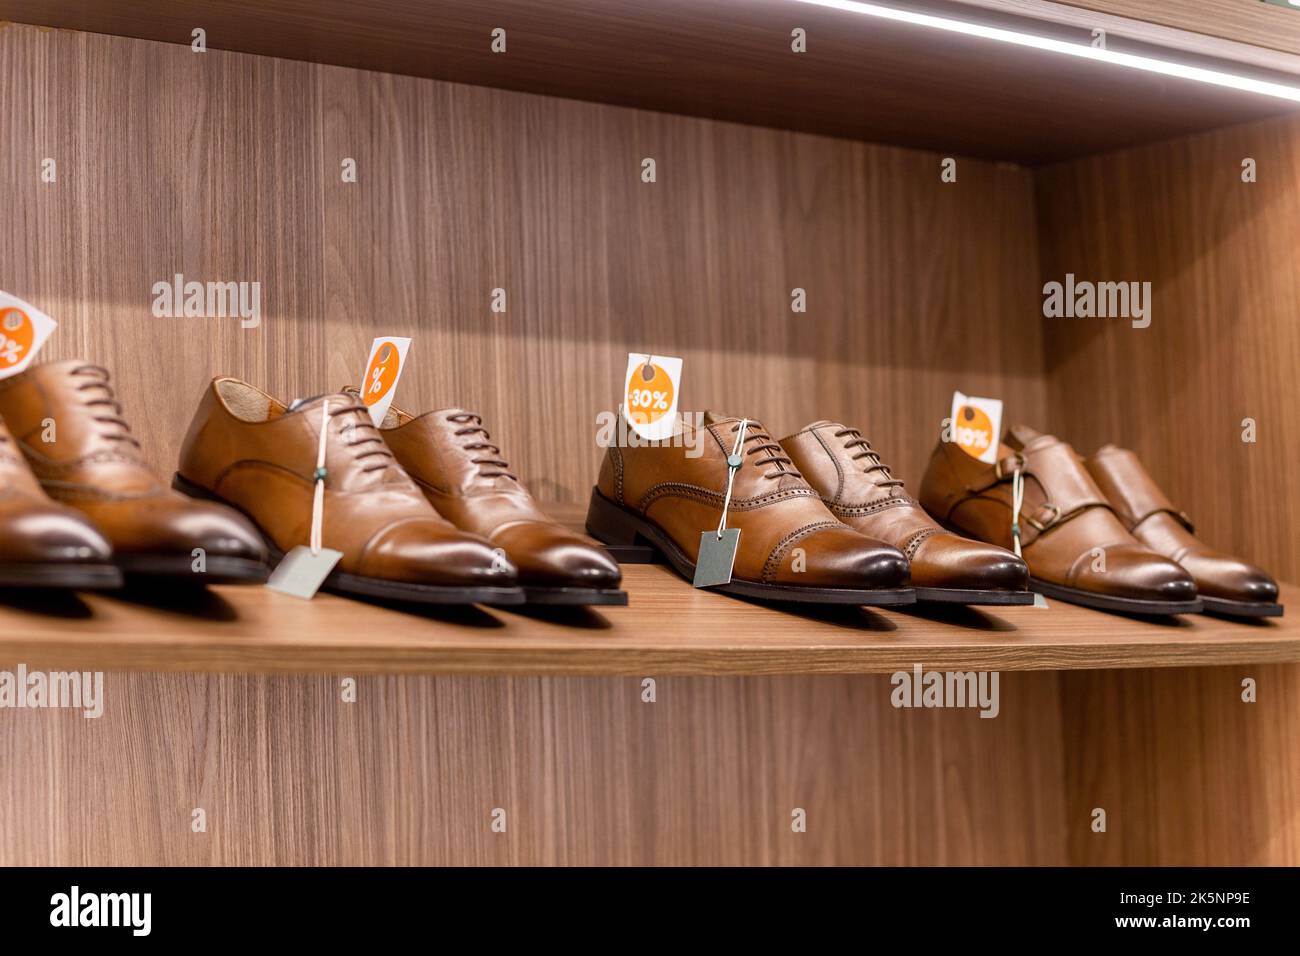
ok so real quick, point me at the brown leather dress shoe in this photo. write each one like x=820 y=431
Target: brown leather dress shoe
x=858 y=489
x=1227 y=585
x=791 y=548
x=451 y=457
x=94 y=464
x=253 y=452
x=1075 y=547
x=44 y=544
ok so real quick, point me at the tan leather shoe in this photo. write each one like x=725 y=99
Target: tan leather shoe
x=94 y=464
x=791 y=548
x=451 y=457
x=1075 y=547
x=1227 y=585
x=253 y=452
x=858 y=489
x=44 y=544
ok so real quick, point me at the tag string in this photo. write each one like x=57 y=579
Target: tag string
x=318 y=498
x=1017 y=499
x=734 y=462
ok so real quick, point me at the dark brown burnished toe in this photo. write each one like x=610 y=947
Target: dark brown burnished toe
x=95 y=465
x=430 y=552
x=548 y=556
x=859 y=489
x=1075 y=546
x=464 y=475
x=43 y=543
x=1225 y=583
x=259 y=454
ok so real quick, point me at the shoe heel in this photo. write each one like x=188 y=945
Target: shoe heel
x=191 y=490
x=608 y=524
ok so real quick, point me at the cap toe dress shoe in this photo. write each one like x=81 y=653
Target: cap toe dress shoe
x=251 y=451
x=44 y=544
x=70 y=428
x=466 y=478
x=1076 y=548
x=791 y=548
x=858 y=488
x=1227 y=585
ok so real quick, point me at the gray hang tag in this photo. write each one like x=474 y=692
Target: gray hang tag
x=301 y=573
x=717 y=557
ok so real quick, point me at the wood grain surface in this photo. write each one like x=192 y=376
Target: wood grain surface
x=860 y=77
x=1246 y=21
x=227 y=167
x=1223 y=344
x=1188 y=773
x=709 y=773
x=668 y=628
x=585 y=771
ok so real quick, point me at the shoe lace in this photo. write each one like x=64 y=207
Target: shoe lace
x=101 y=397
x=472 y=424
x=763 y=442
x=363 y=437
x=855 y=440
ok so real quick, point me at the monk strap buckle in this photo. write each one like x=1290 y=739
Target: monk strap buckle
x=1044 y=524
x=1019 y=465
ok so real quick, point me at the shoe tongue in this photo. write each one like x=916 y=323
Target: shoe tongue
x=1024 y=438
x=713 y=418
x=336 y=399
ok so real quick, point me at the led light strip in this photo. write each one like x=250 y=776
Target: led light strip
x=1083 y=52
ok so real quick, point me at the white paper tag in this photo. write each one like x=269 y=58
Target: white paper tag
x=1039 y=600
x=383 y=369
x=650 y=391
x=301 y=573
x=977 y=426
x=23 y=330
x=717 y=558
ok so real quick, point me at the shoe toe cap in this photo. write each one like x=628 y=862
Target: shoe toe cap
x=429 y=552
x=1132 y=571
x=842 y=558
x=549 y=555
x=53 y=534
x=949 y=561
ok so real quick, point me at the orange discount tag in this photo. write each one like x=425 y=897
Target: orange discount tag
x=23 y=330
x=650 y=393
x=976 y=425
x=387 y=360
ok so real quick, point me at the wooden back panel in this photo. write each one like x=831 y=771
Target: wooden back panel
x=225 y=166
x=1224 y=339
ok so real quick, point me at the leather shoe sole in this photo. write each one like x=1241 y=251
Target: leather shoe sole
x=973 y=596
x=569 y=597
x=88 y=577
x=220 y=569
x=1230 y=608
x=356 y=585
x=1106 y=602
x=614 y=524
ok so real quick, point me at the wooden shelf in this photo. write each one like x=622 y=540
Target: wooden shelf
x=862 y=78
x=669 y=628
